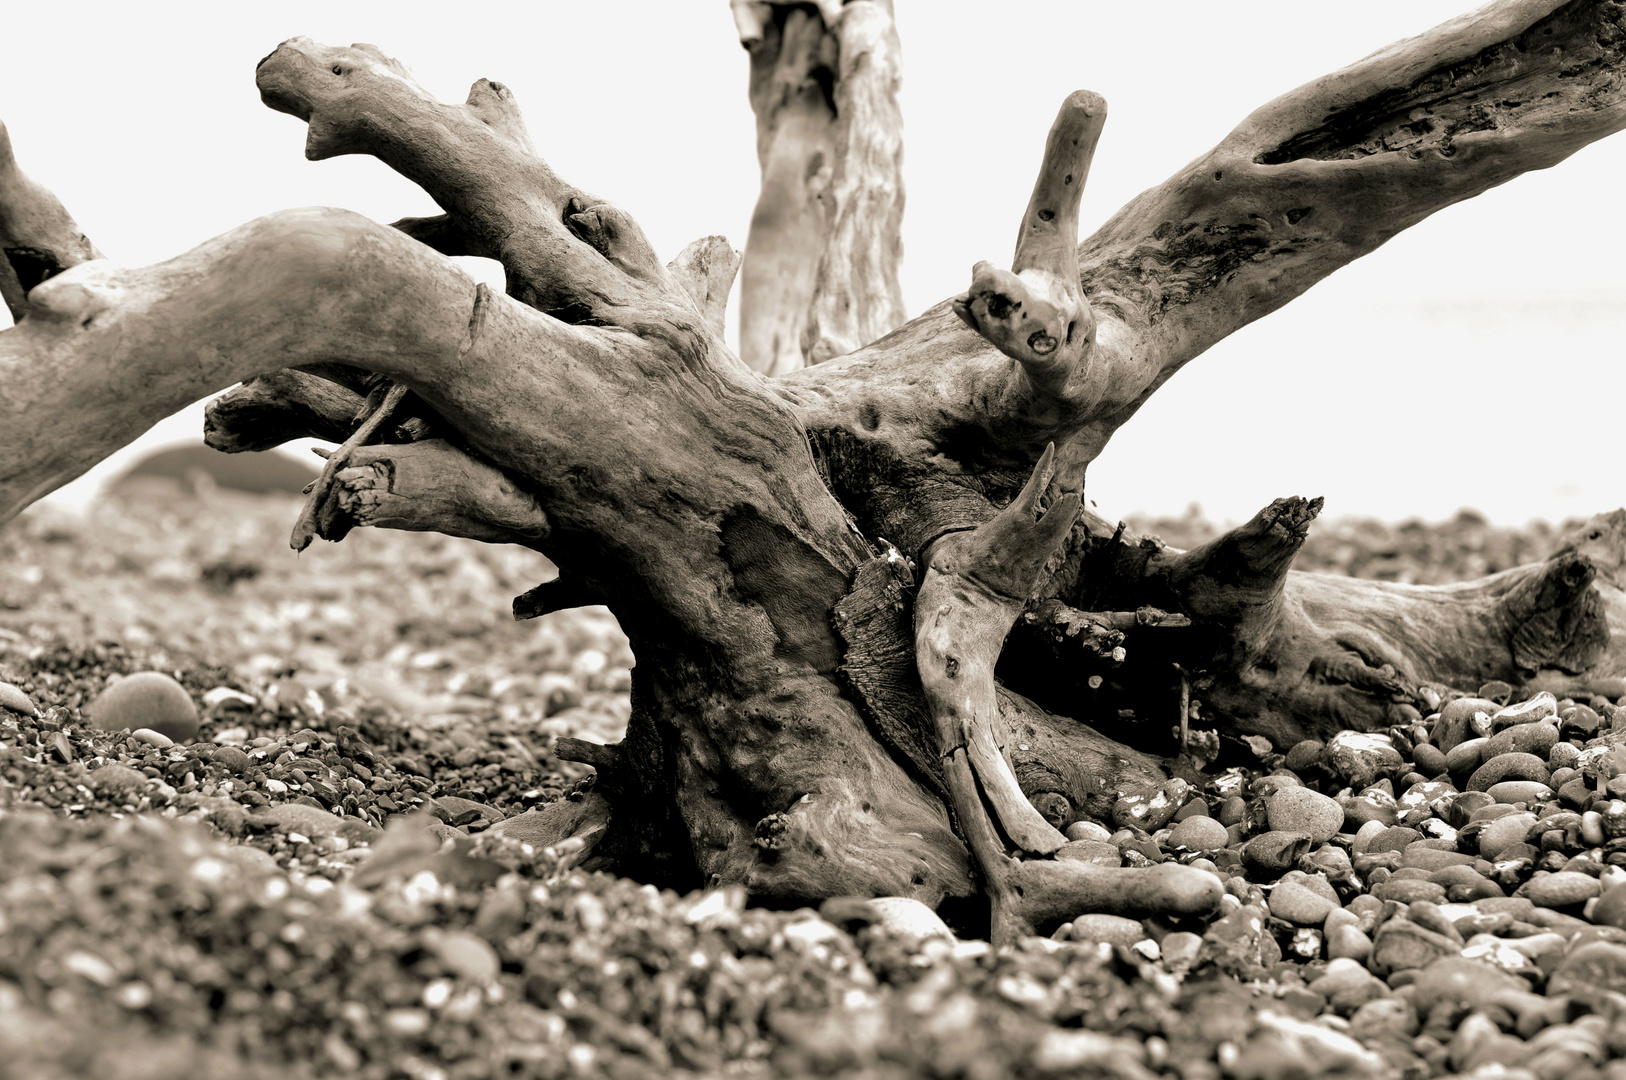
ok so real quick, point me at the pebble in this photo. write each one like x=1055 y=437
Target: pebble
x=464 y=955
x=1401 y=945
x=1368 y=807
x=118 y=781
x=1520 y=791
x=1566 y=888
x=1298 y=809
x=1409 y=890
x=1610 y=910
x=234 y=760
x=1510 y=766
x=152 y=738
x=1499 y=835
x=147 y=699
x=909 y=919
x=1597 y=965
x=1088 y=830
x=1112 y=929
x=1538 y=739
x=1275 y=852
x=15 y=700
x=1361 y=757
x=309 y=821
x=1202 y=833
x=1349 y=943
x=1465 y=757
x=1299 y=905
x=1455 y=724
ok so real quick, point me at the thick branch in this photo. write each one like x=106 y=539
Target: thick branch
x=821 y=263
x=37 y=235
x=560 y=594
x=1234 y=583
x=119 y=349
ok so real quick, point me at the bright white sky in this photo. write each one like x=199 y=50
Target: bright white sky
x=1474 y=361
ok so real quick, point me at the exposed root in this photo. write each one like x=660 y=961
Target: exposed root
x=277 y=407
x=560 y=594
x=429 y=486
x=306 y=527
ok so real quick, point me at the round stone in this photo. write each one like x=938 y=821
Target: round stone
x=1539 y=707
x=909 y=919
x=1298 y=809
x=1455 y=724
x=1532 y=738
x=466 y=955
x=1595 y=966
x=148 y=699
x=1430 y=760
x=1275 y=852
x=1299 y=905
x=1466 y=756
x=118 y=781
x=1409 y=891
x=1567 y=888
x=1347 y=942
x=1520 y=791
x=1113 y=929
x=1361 y=757
x=1610 y=909
x=232 y=758
x=15 y=700
x=1088 y=830
x=1508 y=767
x=1499 y=835
x=1401 y=945
x=1201 y=834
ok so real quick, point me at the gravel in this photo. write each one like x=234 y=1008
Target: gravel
x=330 y=877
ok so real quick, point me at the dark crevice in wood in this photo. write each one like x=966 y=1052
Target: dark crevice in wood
x=1429 y=115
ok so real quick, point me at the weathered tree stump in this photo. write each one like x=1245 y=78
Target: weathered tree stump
x=818 y=571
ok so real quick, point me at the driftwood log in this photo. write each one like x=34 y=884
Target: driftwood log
x=880 y=648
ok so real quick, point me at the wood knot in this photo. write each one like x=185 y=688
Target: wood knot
x=772 y=832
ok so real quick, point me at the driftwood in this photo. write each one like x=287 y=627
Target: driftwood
x=797 y=560
x=820 y=276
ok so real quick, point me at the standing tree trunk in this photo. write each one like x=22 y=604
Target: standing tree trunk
x=817 y=571
x=821 y=263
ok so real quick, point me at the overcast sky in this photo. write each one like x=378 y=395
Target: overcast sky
x=1473 y=361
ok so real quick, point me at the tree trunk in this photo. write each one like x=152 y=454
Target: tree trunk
x=821 y=264
x=817 y=572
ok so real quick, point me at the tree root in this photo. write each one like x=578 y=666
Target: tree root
x=428 y=486
x=278 y=407
x=976 y=584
